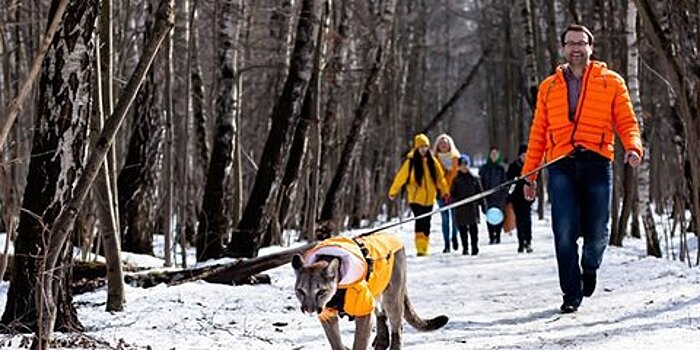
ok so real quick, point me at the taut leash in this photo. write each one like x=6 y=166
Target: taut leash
x=468 y=199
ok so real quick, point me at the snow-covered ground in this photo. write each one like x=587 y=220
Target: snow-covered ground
x=497 y=300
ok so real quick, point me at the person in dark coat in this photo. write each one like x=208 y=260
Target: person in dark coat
x=466 y=185
x=492 y=174
x=521 y=206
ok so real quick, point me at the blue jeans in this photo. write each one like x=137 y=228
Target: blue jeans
x=448 y=219
x=580 y=189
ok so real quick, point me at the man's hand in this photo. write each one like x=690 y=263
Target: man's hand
x=633 y=158
x=530 y=190
x=391 y=198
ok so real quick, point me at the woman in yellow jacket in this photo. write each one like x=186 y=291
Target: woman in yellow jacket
x=423 y=177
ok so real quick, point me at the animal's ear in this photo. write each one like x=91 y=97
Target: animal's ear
x=332 y=269
x=297 y=262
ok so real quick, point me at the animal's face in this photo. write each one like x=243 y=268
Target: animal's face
x=316 y=283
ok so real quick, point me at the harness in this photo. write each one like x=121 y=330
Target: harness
x=337 y=302
x=365 y=254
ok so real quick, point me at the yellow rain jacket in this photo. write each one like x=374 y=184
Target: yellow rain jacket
x=359 y=291
x=425 y=193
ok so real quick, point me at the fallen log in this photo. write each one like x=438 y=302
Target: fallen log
x=242 y=271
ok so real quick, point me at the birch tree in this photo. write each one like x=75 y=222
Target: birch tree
x=58 y=156
x=213 y=220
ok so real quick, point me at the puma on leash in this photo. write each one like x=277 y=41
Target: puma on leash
x=357 y=277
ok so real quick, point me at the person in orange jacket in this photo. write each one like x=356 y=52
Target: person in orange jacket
x=447 y=154
x=424 y=180
x=579 y=110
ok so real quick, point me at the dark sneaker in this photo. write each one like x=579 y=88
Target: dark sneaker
x=588 y=279
x=455 y=243
x=528 y=249
x=568 y=308
x=465 y=252
x=446 y=250
x=521 y=249
x=475 y=251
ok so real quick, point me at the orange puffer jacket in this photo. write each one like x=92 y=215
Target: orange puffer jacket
x=604 y=108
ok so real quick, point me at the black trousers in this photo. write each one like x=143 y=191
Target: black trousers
x=466 y=231
x=422 y=225
x=495 y=232
x=523 y=223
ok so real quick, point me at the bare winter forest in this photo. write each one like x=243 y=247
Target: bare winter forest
x=221 y=124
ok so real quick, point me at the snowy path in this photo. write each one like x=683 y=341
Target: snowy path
x=497 y=300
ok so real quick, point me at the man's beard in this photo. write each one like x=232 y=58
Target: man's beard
x=577 y=61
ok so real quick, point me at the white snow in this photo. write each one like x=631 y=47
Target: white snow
x=497 y=300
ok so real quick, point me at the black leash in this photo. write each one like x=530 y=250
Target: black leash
x=468 y=199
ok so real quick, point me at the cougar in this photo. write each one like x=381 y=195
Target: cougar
x=357 y=277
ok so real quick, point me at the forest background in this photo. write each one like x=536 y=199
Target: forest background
x=224 y=123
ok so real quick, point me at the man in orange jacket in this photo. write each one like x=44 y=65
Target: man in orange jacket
x=579 y=109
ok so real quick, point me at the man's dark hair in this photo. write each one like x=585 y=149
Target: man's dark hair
x=577 y=28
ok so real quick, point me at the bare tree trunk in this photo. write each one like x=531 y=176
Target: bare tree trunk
x=8 y=118
x=236 y=202
x=107 y=207
x=507 y=85
x=652 y=236
x=169 y=171
x=58 y=152
x=107 y=85
x=141 y=175
x=68 y=212
x=315 y=168
x=297 y=153
x=633 y=84
x=531 y=73
x=285 y=114
x=552 y=37
x=574 y=12
x=630 y=177
x=213 y=220
x=200 y=151
x=332 y=79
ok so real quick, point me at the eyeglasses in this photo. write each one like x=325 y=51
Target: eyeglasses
x=576 y=43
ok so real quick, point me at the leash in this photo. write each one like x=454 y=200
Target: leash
x=467 y=200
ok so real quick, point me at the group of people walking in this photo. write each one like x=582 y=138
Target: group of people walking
x=444 y=175
x=580 y=108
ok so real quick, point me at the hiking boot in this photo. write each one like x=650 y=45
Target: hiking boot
x=567 y=308
x=588 y=279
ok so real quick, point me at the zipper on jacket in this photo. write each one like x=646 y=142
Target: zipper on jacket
x=581 y=98
x=551 y=138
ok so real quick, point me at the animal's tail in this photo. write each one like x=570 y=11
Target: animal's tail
x=417 y=322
